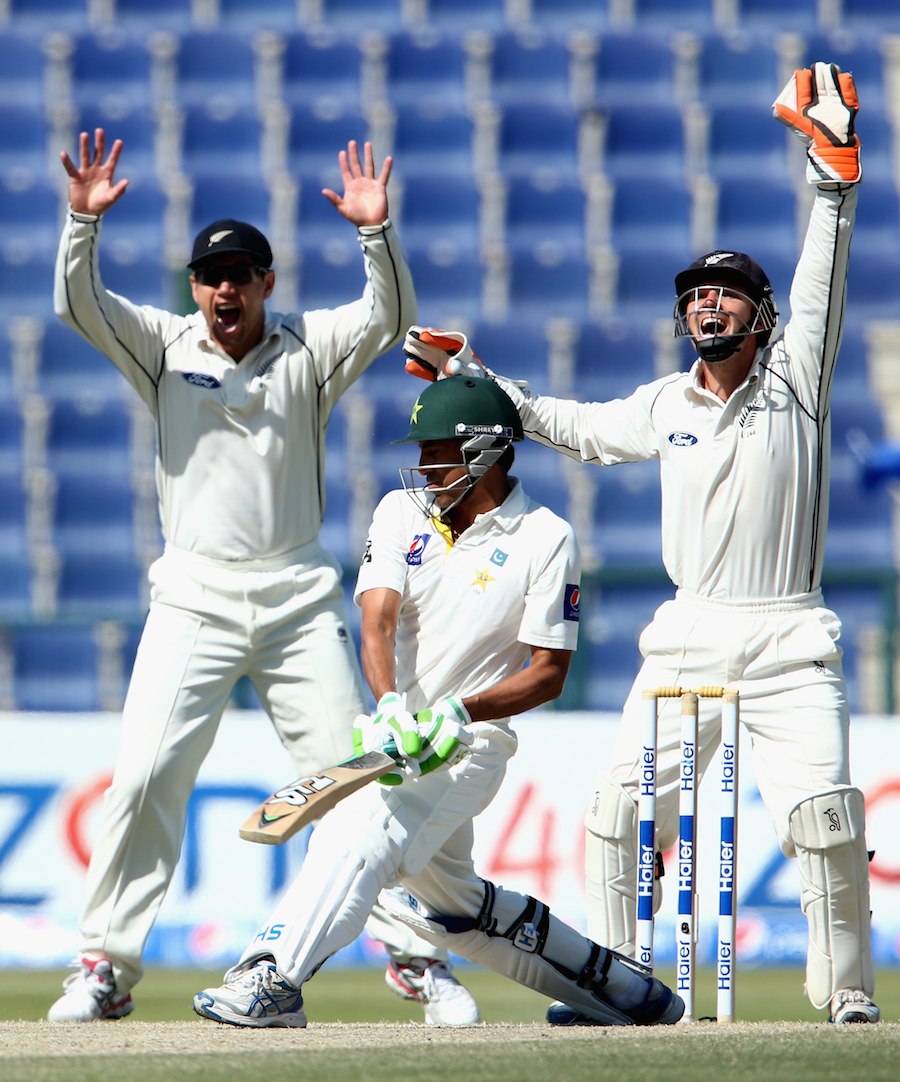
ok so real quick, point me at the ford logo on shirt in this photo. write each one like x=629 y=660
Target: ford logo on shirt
x=682 y=439
x=201 y=379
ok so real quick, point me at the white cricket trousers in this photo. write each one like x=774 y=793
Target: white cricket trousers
x=783 y=658
x=281 y=623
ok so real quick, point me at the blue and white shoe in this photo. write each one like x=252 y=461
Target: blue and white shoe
x=662 y=1007
x=254 y=996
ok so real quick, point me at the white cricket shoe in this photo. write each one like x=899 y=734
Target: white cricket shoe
x=850 y=1005
x=90 y=995
x=430 y=982
x=253 y=996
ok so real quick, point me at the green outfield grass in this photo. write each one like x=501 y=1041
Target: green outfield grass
x=360 y=995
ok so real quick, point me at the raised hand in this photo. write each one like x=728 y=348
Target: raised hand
x=365 y=200
x=92 y=185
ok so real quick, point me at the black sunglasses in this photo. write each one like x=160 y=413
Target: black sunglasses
x=239 y=274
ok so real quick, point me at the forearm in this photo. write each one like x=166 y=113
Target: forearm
x=525 y=690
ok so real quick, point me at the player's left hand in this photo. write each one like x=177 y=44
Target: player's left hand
x=820 y=105
x=365 y=200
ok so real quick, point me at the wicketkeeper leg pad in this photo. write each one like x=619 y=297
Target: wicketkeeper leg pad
x=828 y=831
x=610 y=866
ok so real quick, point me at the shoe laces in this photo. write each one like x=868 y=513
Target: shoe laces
x=262 y=979
x=96 y=976
x=850 y=995
x=439 y=982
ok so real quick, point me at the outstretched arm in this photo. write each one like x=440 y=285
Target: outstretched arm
x=365 y=200
x=93 y=188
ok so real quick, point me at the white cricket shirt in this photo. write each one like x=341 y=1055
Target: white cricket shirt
x=744 y=482
x=470 y=611
x=240 y=467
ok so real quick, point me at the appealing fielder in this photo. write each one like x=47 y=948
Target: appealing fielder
x=469 y=598
x=241 y=397
x=743 y=443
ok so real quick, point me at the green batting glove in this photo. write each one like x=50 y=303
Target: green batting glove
x=444 y=733
x=391 y=711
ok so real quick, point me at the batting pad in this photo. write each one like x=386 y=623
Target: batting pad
x=828 y=831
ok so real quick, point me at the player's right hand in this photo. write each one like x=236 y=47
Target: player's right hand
x=820 y=105
x=431 y=354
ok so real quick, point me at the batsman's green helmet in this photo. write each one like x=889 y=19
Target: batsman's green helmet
x=460 y=407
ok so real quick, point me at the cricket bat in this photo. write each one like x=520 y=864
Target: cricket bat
x=288 y=810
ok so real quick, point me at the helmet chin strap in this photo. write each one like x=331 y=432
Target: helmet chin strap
x=719 y=347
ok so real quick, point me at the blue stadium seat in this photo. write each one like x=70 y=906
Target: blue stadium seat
x=136 y=125
x=31 y=207
x=753 y=212
x=15 y=585
x=22 y=77
x=362 y=14
x=101 y=586
x=148 y=15
x=89 y=436
x=426 y=67
x=26 y=280
x=745 y=142
x=434 y=137
x=627 y=515
x=861 y=608
x=872 y=284
x=12 y=434
x=210 y=64
x=874 y=16
x=650 y=214
x=645 y=142
x=777 y=17
x=860 y=523
x=112 y=67
x=94 y=514
x=316 y=133
x=13 y=515
x=321 y=64
x=548 y=209
x=439 y=207
x=738 y=67
x=278 y=15
x=24 y=137
x=222 y=135
x=877 y=226
x=556 y=15
x=550 y=283
x=137 y=222
x=654 y=15
x=55 y=667
x=331 y=274
x=613 y=616
x=462 y=15
x=317 y=221
x=530 y=65
x=645 y=288
x=241 y=196
x=612 y=359
x=517 y=347
x=134 y=272
x=533 y=137
x=69 y=366
x=7 y=373
x=635 y=69
x=852 y=371
x=38 y=15
x=449 y=283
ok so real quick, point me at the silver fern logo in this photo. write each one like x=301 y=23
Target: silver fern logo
x=747 y=419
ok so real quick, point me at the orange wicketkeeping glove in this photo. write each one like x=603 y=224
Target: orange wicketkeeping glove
x=820 y=105
x=432 y=354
